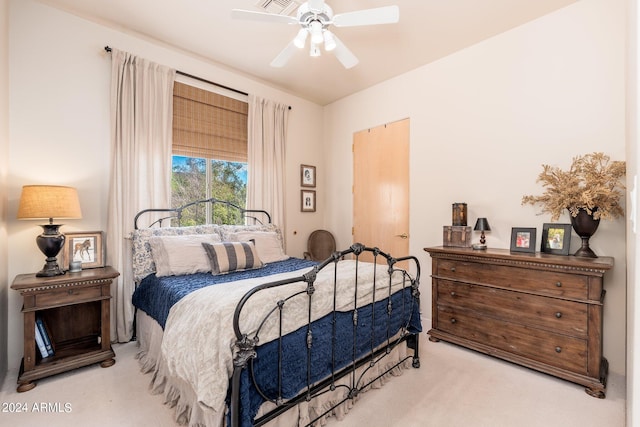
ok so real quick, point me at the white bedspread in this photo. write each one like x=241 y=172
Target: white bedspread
x=198 y=342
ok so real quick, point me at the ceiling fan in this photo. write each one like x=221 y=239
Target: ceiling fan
x=314 y=18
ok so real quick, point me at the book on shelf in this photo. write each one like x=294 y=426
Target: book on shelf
x=40 y=342
x=45 y=336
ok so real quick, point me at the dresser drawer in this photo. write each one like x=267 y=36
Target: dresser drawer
x=553 y=349
x=524 y=279
x=551 y=314
x=70 y=295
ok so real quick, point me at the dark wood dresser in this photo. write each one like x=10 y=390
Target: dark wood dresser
x=538 y=310
x=75 y=309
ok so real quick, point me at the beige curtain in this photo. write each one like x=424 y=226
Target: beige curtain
x=266 y=157
x=141 y=128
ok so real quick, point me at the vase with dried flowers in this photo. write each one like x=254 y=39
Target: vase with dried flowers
x=591 y=190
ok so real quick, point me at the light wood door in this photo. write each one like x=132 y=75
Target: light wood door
x=381 y=187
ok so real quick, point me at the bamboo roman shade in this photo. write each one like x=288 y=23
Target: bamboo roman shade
x=208 y=125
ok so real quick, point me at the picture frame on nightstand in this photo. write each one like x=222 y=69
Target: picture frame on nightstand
x=86 y=247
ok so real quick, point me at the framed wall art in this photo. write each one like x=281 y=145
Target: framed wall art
x=308 y=200
x=307 y=176
x=86 y=247
x=556 y=239
x=523 y=239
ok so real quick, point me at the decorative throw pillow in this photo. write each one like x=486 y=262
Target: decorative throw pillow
x=179 y=255
x=232 y=256
x=268 y=244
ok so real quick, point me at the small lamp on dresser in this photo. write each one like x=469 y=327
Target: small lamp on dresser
x=48 y=202
x=482 y=225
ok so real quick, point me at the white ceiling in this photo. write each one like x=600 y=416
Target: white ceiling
x=428 y=30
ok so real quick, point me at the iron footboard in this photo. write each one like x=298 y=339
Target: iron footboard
x=341 y=345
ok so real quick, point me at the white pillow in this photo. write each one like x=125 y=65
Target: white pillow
x=179 y=255
x=268 y=244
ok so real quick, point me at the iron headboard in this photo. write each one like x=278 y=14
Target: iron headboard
x=257 y=216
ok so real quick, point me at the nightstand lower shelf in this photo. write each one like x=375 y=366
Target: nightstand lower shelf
x=63 y=362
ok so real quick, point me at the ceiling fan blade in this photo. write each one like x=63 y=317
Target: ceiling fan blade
x=380 y=15
x=263 y=17
x=284 y=56
x=315 y=5
x=344 y=55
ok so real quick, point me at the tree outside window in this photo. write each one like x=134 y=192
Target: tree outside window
x=198 y=178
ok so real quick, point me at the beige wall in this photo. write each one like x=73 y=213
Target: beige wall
x=59 y=128
x=4 y=155
x=485 y=119
x=633 y=238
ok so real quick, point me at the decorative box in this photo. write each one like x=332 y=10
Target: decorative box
x=456 y=235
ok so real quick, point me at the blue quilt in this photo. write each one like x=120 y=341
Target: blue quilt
x=326 y=354
x=156 y=295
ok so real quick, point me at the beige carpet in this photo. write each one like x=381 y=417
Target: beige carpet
x=453 y=387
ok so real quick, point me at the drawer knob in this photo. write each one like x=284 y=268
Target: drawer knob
x=453 y=269
x=70 y=292
x=558 y=315
x=453 y=320
x=558 y=349
x=453 y=294
x=559 y=284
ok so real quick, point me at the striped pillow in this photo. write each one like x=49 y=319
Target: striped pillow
x=232 y=256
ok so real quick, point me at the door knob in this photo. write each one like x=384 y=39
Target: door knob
x=403 y=236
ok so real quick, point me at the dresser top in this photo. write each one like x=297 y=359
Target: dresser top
x=600 y=263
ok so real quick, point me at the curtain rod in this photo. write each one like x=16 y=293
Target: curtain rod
x=108 y=49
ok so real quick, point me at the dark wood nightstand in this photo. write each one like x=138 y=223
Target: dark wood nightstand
x=75 y=309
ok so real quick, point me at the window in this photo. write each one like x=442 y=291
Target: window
x=209 y=153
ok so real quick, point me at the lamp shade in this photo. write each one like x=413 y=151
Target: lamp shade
x=49 y=201
x=482 y=225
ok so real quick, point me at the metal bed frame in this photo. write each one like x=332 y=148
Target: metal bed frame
x=246 y=343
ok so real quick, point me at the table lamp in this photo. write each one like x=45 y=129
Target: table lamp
x=49 y=201
x=482 y=225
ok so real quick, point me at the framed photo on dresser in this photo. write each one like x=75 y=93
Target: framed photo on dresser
x=556 y=239
x=523 y=239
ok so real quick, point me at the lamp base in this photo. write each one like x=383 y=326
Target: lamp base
x=50 y=269
x=50 y=242
x=478 y=246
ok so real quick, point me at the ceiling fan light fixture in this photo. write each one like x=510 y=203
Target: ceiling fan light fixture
x=329 y=41
x=314 y=18
x=315 y=27
x=301 y=38
x=314 y=52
